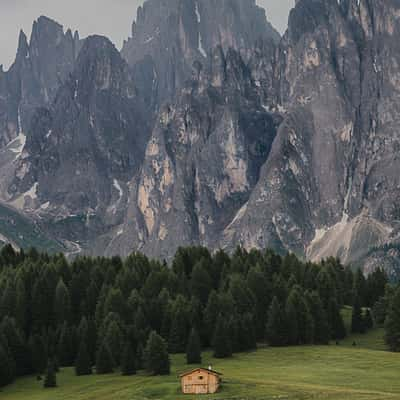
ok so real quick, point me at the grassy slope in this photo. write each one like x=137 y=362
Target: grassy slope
x=297 y=373
x=24 y=232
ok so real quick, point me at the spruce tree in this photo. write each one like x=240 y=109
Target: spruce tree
x=7 y=366
x=104 y=360
x=367 y=319
x=62 y=303
x=156 y=357
x=321 y=332
x=193 y=350
x=392 y=323
x=128 y=360
x=276 y=329
x=338 y=330
x=83 y=365
x=50 y=380
x=246 y=332
x=178 y=332
x=64 y=346
x=222 y=342
x=357 y=321
x=114 y=341
x=38 y=354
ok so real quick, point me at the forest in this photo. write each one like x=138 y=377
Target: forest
x=111 y=314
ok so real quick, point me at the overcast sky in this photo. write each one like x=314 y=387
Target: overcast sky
x=112 y=18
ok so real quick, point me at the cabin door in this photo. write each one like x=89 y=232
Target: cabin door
x=201 y=389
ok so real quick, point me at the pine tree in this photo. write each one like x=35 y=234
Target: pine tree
x=104 y=360
x=338 y=330
x=367 y=320
x=65 y=347
x=222 y=342
x=276 y=329
x=113 y=339
x=62 y=304
x=193 y=350
x=201 y=283
x=156 y=355
x=321 y=326
x=83 y=365
x=357 y=322
x=246 y=333
x=50 y=380
x=128 y=360
x=7 y=367
x=392 y=323
x=292 y=323
x=38 y=354
x=179 y=326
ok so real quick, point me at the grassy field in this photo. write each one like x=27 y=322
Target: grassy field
x=364 y=372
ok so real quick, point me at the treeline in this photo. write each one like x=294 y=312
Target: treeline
x=110 y=313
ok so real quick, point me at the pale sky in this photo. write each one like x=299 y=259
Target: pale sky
x=112 y=18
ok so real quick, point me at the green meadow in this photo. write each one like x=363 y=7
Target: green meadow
x=335 y=372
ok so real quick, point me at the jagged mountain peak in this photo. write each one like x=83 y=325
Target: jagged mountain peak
x=206 y=129
x=23 y=47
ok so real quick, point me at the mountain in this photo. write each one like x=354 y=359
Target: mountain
x=169 y=35
x=331 y=182
x=208 y=128
x=34 y=78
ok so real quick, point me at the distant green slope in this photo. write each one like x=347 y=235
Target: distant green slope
x=24 y=233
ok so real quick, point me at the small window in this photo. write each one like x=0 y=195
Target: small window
x=201 y=377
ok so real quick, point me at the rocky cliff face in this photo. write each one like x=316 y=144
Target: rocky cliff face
x=34 y=78
x=202 y=161
x=170 y=35
x=81 y=152
x=330 y=182
x=209 y=129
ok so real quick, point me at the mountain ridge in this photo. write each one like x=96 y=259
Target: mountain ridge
x=222 y=135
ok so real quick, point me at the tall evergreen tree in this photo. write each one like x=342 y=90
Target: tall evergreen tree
x=193 y=350
x=321 y=332
x=338 y=330
x=156 y=355
x=276 y=329
x=104 y=360
x=114 y=341
x=50 y=380
x=392 y=323
x=357 y=321
x=179 y=326
x=368 y=320
x=201 y=283
x=62 y=305
x=83 y=364
x=128 y=360
x=222 y=341
x=7 y=366
x=38 y=354
x=246 y=335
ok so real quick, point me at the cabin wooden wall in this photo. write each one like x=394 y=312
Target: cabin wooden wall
x=200 y=382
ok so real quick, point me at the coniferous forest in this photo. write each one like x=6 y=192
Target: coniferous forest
x=103 y=315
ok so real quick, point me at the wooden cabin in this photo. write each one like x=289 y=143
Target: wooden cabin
x=200 y=381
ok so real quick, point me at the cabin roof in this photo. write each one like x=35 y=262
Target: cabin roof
x=199 y=369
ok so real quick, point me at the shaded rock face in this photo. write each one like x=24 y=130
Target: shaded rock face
x=34 y=78
x=170 y=35
x=209 y=129
x=81 y=152
x=330 y=185
x=202 y=161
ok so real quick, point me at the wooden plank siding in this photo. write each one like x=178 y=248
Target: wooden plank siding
x=200 y=381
